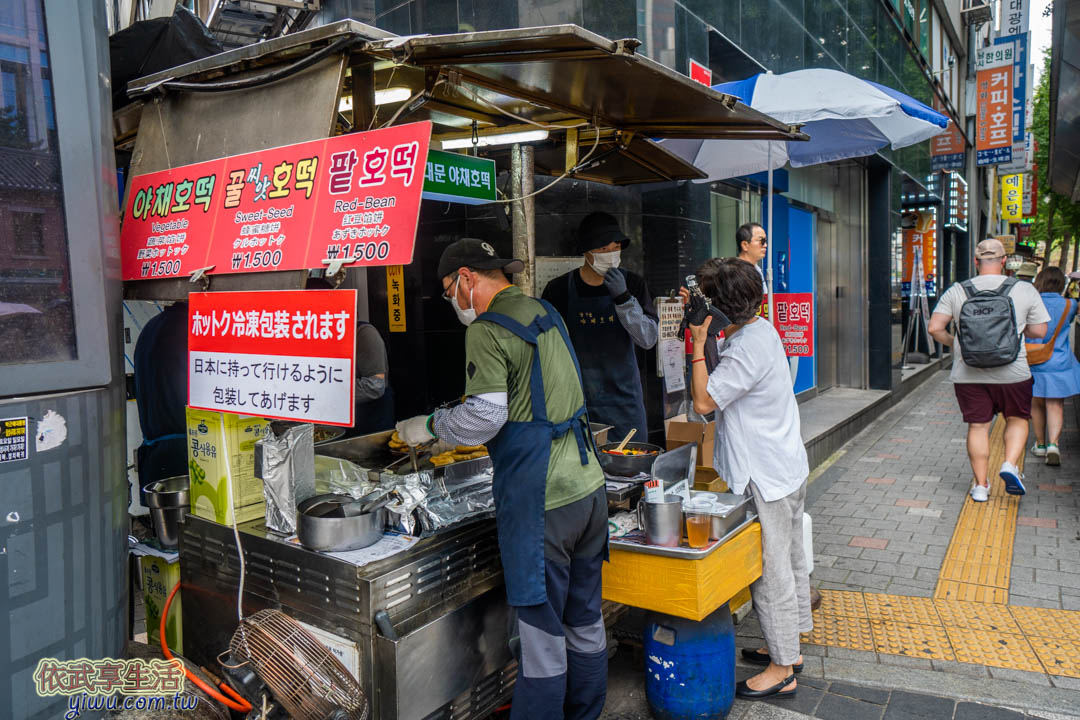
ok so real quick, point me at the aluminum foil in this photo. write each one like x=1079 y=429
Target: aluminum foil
x=286 y=465
x=430 y=501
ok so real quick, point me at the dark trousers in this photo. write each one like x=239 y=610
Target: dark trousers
x=562 y=669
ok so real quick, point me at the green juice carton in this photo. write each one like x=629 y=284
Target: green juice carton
x=207 y=430
x=158 y=577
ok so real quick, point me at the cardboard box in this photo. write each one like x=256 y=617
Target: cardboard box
x=210 y=499
x=158 y=577
x=681 y=432
x=707 y=479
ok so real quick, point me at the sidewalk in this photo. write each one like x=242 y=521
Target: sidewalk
x=934 y=606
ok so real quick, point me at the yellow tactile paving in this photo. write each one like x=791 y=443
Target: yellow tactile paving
x=839 y=631
x=957 y=590
x=1059 y=658
x=996 y=649
x=901 y=609
x=912 y=639
x=977 y=616
x=840 y=602
x=1044 y=622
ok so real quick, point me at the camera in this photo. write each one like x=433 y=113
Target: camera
x=700 y=308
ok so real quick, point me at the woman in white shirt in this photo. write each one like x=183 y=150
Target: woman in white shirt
x=759 y=446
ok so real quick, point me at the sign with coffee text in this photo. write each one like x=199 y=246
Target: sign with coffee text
x=354 y=198
x=282 y=354
x=994 y=96
x=795 y=322
x=920 y=233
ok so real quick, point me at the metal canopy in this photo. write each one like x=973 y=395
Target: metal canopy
x=1064 y=170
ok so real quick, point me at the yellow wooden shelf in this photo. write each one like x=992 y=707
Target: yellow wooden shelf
x=690 y=589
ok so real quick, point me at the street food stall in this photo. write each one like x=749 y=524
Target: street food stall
x=309 y=155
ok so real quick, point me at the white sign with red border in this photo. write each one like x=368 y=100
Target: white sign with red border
x=287 y=355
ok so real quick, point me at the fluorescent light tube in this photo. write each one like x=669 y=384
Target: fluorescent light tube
x=503 y=139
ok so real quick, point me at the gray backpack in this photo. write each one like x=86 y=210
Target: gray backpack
x=986 y=327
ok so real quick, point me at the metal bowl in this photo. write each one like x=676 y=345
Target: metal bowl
x=169 y=502
x=335 y=522
x=628 y=465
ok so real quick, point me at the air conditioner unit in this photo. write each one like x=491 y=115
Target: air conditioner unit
x=976 y=12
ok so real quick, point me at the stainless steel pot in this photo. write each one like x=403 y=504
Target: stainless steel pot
x=628 y=465
x=662 y=521
x=169 y=502
x=338 y=522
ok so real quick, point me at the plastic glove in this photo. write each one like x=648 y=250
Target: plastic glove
x=615 y=282
x=414 y=431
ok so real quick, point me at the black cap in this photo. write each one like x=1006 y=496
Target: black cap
x=476 y=254
x=599 y=229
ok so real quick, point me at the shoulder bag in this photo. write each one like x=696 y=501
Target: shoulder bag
x=1038 y=353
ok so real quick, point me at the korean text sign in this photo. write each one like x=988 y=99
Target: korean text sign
x=1012 y=197
x=795 y=322
x=947 y=149
x=922 y=235
x=994 y=95
x=353 y=197
x=284 y=354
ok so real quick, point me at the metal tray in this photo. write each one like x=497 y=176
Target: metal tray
x=685 y=553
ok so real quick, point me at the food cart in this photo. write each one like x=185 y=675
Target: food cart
x=424 y=630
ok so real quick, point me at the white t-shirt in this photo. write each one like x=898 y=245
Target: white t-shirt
x=1029 y=310
x=757 y=419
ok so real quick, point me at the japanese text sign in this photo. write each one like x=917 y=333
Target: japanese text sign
x=459 y=178
x=947 y=149
x=994 y=95
x=285 y=354
x=795 y=322
x=1015 y=17
x=354 y=197
x=1012 y=196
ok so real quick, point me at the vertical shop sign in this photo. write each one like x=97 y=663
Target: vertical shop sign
x=994 y=93
x=1015 y=17
x=795 y=323
x=920 y=231
x=395 y=297
x=283 y=354
x=1031 y=194
x=700 y=73
x=947 y=149
x=353 y=198
x=1012 y=195
x=13 y=439
x=1019 y=83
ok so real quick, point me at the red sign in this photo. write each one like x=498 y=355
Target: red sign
x=700 y=73
x=949 y=142
x=1031 y=192
x=353 y=197
x=285 y=354
x=994 y=117
x=795 y=322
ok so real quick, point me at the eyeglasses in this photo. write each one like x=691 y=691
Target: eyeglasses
x=446 y=293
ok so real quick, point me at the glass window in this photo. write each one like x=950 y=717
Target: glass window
x=13 y=18
x=35 y=281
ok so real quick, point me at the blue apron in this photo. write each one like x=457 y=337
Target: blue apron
x=608 y=363
x=520 y=454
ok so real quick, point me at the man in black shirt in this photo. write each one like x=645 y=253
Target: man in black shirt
x=608 y=312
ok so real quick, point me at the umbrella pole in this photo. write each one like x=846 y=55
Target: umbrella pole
x=769 y=253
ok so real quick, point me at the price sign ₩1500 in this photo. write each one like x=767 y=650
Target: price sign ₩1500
x=353 y=197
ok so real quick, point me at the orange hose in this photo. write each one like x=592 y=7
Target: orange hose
x=239 y=704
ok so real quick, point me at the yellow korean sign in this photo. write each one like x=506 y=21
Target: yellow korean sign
x=395 y=297
x=1012 y=197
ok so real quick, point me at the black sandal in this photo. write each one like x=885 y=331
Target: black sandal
x=759 y=658
x=745 y=691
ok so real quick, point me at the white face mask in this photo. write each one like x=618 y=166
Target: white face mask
x=602 y=262
x=465 y=316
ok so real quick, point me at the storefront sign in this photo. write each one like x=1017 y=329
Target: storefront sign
x=947 y=149
x=920 y=231
x=1008 y=242
x=956 y=202
x=395 y=297
x=795 y=322
x=1015 y=17
x=1020 y=83
x=13 y=439
x=1023 y=238
x=353 y=197
x=285 y=354
x=457 y=178
x=994 y=117
x=1031 y=194
x=1012 y=192
x=700 y=73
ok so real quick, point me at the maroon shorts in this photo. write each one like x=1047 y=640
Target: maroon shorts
x=980 y=402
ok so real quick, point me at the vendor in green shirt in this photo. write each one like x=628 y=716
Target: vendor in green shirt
x=524 y=400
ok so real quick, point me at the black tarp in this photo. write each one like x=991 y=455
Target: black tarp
x=150 y=46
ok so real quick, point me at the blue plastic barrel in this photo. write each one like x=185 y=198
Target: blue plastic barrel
x=690 y=666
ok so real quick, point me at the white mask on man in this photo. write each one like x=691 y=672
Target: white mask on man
x=465 y=316
x=604 y=261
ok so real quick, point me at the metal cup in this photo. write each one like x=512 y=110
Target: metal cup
x=662 y=521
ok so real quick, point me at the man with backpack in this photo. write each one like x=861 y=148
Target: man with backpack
x=990 y=371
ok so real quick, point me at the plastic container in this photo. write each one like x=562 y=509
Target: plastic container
x=690 y=666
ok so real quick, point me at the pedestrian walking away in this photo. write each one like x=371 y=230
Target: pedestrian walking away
x=990 y=373
x=1058 y=377
x=525 y=401
x=759 y=450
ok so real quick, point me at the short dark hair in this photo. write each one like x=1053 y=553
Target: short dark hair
x=733 y=286
x=1050 y=280
x=745 y=233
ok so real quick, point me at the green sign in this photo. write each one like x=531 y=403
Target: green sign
x=459 y=178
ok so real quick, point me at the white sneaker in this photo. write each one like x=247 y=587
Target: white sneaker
x=1038 y=450
x=1053 y=455
x=980 y=493
x=1014 y=479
